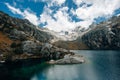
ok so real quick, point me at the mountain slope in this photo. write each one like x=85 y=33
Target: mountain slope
x=21 y=40
x=19 y=26
x=105 y=35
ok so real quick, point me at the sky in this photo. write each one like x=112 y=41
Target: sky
x=61 y=15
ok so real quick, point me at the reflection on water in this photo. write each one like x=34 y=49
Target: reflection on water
x=99 y=65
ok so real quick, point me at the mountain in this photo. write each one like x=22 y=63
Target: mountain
x=102 y=36
x=72 y=39
x=21 y=40
x=69 y=35
x=105 y=35
x=73 y=34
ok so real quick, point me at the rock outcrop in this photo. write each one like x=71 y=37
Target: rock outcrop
x=105 y=35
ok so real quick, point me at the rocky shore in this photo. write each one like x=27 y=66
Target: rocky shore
x=69 y=59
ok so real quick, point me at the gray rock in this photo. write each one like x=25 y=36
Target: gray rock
x=29 y=47
x=46 y=46
x=16 y=34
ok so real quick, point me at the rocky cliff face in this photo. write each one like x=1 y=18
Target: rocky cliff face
x=105 y=35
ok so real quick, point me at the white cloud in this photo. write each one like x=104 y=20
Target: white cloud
x=31 y=17
x=59 y=1
x=61 y=20
x=27 y=14
x=77 y=2
x=54 y=2
x=99 y=8
x=14 y=10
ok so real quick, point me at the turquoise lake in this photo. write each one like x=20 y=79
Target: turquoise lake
x=99 y=65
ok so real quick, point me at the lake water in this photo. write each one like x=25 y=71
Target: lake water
x=99 y=65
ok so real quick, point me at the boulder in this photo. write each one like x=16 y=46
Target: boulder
x=69 y=59
x=46 y=46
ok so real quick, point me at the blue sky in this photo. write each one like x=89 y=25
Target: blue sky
x=60 y=15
